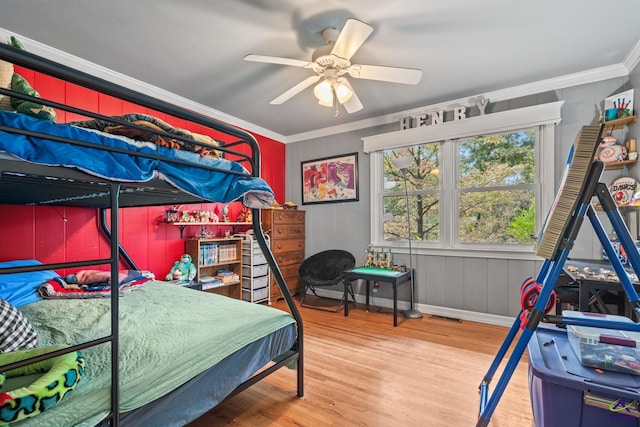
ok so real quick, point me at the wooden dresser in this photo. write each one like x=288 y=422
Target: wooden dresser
x=286 y=230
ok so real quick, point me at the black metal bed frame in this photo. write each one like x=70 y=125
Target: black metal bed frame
x=24 y=183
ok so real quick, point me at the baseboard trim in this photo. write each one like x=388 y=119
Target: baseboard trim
x=453 y=313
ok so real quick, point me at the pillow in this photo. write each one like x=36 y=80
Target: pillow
x=16 y=333
x=22 y=288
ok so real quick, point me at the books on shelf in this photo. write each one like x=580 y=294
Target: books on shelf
x=208 y=253
x=227 y=253
x=214 y=253
x=227 y=276
x=208 y=282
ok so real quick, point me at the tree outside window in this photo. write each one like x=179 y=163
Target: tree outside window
x=491 y=192
x=423 y=185
x=496 y=188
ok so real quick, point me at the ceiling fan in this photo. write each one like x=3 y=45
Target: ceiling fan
x=332 y=61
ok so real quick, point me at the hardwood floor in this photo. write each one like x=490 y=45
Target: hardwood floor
x=361 y=371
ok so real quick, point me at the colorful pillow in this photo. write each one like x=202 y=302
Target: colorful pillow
x=59 y=376
x=16 y=333
x=22 y=288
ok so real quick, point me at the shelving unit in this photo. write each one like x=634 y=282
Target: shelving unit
x=619 y=165
x=212 y=255
x=255 y=272
x=611 y=125
x=233 y=225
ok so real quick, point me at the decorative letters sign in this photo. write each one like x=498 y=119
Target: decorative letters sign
x=437 y=117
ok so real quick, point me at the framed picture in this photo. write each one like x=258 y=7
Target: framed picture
x=330 y=180
x=619 y=105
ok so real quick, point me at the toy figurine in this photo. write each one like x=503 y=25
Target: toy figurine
x=225 y=213
x=245 y=215
x=370 y=257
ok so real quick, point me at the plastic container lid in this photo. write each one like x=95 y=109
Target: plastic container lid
x=604 y=348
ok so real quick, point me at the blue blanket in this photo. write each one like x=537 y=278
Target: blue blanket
x=214 y=186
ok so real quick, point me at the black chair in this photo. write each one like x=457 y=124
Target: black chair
x=324 y=269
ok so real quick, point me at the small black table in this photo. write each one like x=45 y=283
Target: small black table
x=369 y=274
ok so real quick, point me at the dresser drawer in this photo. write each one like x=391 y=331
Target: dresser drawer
x=293 y=284
x=283 y=231
x=288 y=217
x=290 y=271
x=289 y=258
x=287 y=245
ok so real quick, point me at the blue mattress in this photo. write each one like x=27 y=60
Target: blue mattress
x=106 y=156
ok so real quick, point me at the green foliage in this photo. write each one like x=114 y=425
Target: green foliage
x=423 y=208
x=523 y=226
x=503 y=213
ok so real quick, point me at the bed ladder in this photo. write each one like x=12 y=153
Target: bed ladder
x=556 y=255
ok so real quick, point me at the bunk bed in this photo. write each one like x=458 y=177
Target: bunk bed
x=45 y=163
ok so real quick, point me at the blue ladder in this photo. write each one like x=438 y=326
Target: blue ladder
x=548 y=276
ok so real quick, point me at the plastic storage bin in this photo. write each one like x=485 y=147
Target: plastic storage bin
x=564 y=393
x=255 y=282
x=609 y=349
x=255 y=271
x=258 y=294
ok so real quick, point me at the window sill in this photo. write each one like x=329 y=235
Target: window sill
x=523 y=253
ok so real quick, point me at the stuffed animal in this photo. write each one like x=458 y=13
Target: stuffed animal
x=14 y=81
x=182 y=270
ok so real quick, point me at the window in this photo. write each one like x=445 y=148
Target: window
x=497 y=188
x=422 y=189
x=493 y=196
x=474 y=193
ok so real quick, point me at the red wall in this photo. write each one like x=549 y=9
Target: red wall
x=59 y=234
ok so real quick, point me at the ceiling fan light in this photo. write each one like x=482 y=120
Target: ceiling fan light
x=324 y=92
x=343 y=92
x=326 y=103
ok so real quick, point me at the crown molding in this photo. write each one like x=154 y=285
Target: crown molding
x=633 y=57
x=112 y=76
x=556 y=83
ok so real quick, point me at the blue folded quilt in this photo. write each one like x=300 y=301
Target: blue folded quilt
x=22 y=288
x=217 y=187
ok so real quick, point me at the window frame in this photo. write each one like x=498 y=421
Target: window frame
x=541 y=117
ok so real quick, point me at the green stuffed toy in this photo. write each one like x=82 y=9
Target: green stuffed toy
x=183 y=270
x=14 y=81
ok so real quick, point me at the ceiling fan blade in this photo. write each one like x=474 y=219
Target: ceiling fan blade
x=410 y=76
x=278 y=60
x=351 y=38
x=352 y=104
x=295 y=90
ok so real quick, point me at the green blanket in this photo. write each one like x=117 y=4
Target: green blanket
x=168 y=335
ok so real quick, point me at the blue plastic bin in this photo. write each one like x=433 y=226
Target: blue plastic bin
x=566 y=394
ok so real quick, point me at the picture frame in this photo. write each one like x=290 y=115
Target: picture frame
x=330 y=179
x=619 y=105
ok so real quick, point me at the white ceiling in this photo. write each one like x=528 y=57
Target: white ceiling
x=195 y=48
